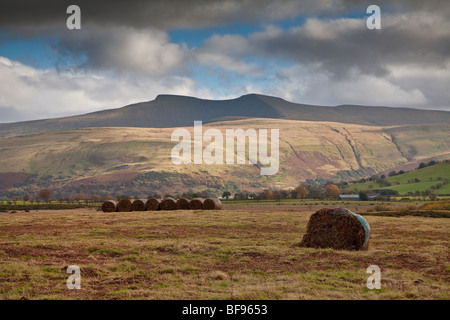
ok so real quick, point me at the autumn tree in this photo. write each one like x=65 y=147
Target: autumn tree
x=302 y=192
x=267 y=194
x=332 y=190
x=96 y=198
x=45 y=194
x=276 y=195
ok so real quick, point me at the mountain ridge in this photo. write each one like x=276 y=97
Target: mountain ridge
x=168 y=111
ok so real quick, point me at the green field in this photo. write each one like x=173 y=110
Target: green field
x=428 y=177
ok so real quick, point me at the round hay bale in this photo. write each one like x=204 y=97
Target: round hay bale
x=212 y=204
x=139 y=205
x=124 y=205
x=153 y=204
x=337 y=229
x=196 y=204
x=182 y=204
x=109 y=206
x=168 y=204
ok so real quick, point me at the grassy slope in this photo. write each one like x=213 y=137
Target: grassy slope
x=307 y=150
x=403 y=183
x=231 y=254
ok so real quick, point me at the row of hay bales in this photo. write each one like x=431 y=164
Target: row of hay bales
x=167 y=204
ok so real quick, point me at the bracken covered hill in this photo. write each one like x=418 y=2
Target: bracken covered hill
x=136 y=161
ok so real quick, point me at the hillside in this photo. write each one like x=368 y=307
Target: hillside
x=136 y=161
x=168 y=111
x=428 y=178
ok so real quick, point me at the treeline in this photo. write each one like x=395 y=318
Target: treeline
x=46 y=196
x=303 y=191
x=314 y=189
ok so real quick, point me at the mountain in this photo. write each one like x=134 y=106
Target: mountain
x=168 y=111
x=137 y=161
x=128 y=150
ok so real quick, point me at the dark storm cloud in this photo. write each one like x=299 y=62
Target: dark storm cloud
x=339 y=45
x=165 y=14
x=136 y=13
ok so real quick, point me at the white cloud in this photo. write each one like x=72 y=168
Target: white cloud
x=340 y=61
x=311 y=85
x=27 y=93
x=125 y=50
x=226 y=52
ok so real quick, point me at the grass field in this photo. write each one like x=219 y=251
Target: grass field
x=236 y=253
x=428 y=177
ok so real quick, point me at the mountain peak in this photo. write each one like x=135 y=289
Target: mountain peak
x=163 y=97
x=171 y=97
x=168 y=111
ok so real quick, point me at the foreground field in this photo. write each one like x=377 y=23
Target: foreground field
x=229 y=254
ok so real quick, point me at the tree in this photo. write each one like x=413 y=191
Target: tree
x=332 y=190
x=26 y=198
x=45 y=194
x=226 y=194
x=241 y=196
x=267 y=194
x=316 y=192
x=363 y=196
x=276 y=195
x=284 y=194
x=96 y=198
x=14 y=199
x=293 y=194
x=302 y=192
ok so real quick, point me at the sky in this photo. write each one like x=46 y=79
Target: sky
x=313 y=52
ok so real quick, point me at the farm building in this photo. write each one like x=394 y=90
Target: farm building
x=349 y=196
x=355 y=197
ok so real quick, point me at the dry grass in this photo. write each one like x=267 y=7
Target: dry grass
x=228 y=254
x=436 y=205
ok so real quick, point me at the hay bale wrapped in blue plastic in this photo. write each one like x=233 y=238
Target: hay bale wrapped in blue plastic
x=337 y=229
